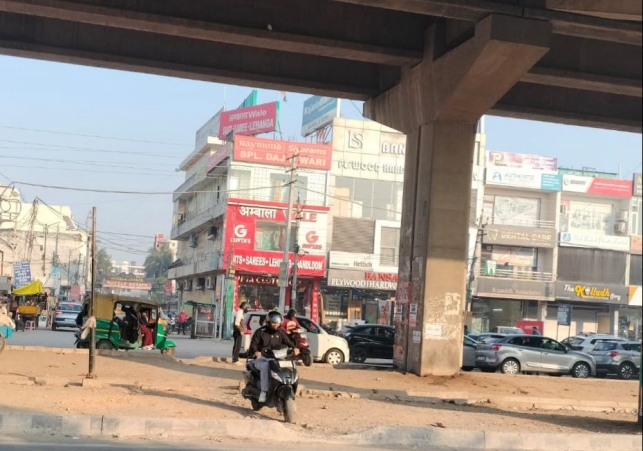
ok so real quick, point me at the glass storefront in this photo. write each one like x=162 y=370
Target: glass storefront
x=489 y=313
x=630 y=323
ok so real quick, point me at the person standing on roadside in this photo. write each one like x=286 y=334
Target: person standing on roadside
x=239 y=331
x=182 y=321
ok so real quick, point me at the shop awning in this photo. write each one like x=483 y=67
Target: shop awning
x=29 y=290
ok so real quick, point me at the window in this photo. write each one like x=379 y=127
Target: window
x=636 y=270
x=370 y=199
x=551 y=345
x=353 y=235
x=605 y=347
x=270 y=236
x=239 y=182
x=389 y=248
x=309 y=326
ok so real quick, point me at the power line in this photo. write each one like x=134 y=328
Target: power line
x=84 y=149
x=163 y=143
x=86 y=162
x=148 y=174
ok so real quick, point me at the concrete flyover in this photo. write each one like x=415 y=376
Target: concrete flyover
x=429 y=68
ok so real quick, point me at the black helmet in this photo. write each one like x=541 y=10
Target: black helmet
x=244 y=306
x=292 y=314
x=274 y=320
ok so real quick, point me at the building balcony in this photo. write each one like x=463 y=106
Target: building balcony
x=192 y=184
x=515 y=274
x=193 y=267
x=192 y=223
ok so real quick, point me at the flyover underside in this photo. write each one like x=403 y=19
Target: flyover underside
x=350 y=48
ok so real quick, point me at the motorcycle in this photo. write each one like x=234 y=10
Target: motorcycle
x=284 y=382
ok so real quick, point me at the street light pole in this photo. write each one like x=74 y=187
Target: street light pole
x=293 y=293
x=285 y=264
x=92 y=301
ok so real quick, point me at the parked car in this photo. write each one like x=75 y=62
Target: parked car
x=507 y=330
x=587 y=342
x=370 y=342
x=323 y=346
x=528 y=353
x=65 y=315
x=620 y=358
x=487 y=337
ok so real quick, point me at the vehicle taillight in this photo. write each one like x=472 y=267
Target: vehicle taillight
x=496 y=347
x=59 y=312
x=613 y=354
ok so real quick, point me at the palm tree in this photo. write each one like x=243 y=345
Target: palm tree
x=158 y=262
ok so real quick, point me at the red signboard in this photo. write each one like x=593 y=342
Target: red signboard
x=255 y=237
x=277 y=153
x=127 y=285
x=249 y=121
x=611 y=188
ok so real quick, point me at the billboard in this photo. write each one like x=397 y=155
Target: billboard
x=124 y=283
x=501 y=288
x=362 y=280
x=21 y=274
x=520 y=236
x=318 y=113
x=587 y=292
x=521 y=161
x=594 y=241
x=597 y=186
x=252 y=120
x=251 y=100
x=519 y=178
x=277 y=153
x=256 y=235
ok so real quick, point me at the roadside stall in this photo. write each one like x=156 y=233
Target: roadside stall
x=30 y=301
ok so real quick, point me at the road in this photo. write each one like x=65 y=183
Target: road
x=186 y=348
x=67 y=444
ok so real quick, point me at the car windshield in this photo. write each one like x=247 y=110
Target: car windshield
x=70 y=307
x=605 y=346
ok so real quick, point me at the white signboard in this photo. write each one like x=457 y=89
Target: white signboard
x=576 y=183
x=360 y=262
x=609 y=242
x=520 y=178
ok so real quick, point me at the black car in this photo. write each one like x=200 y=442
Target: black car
x=370 y=342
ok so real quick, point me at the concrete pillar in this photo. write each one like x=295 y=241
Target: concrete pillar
x=614 y=319
x=438 y=104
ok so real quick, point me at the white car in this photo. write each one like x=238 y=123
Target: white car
x=323 y=346
x=587 y=342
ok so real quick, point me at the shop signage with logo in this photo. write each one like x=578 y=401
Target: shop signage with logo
x=520 y=236
x=496 y=287
x=278 y=153
x=255 y=236
x=595 y=241
x=521 y=178
x=637 y=185
x=253 y=120
x=127 y=284
x=359 y=262
x=361 y=280
x=21 y=274
x=565 y=314
x=597 y=186
x=521 y=161
x=637 y=244
x=587 y=292
x=318 y=113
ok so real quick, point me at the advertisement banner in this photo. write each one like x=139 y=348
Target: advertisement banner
x=637 y=244
x=551 y=182
x=597 y=186
x=594 y=241
x=637 y=185
x=501 y=288
x=521 y=161
x=519 y=178
x=277 y=153
x=253 y=120
x=520 y=236
x=210 y=128
x=21 y=274
x=256 y=233
x=589 y=292
x=359 y=262
x=362 y=280
x=318 y=113
x=135 y=284
x=564 y=314
x=251 y=100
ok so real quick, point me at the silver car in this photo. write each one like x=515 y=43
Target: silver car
x=620 y=358
x=533 y=354
x=65 y=315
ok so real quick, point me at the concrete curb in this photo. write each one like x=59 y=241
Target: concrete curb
x=160 y=428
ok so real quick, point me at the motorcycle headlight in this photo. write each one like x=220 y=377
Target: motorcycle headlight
x=276 y=376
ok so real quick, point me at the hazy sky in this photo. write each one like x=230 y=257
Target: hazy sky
x=157 y=117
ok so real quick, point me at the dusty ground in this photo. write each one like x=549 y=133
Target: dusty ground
x=152 y=385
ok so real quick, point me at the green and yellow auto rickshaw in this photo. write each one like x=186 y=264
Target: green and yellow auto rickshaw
x=119 y=325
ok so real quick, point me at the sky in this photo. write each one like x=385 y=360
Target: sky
x=89 y=128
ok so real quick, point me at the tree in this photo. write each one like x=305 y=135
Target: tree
x=103 y=265
x=158 y=262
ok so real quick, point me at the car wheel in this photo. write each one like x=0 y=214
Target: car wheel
x=581 y=371
x=467 y=369
x=334 y=357
x=359 y=355
x=105 y=345
x=510 y=366
x=627 y=371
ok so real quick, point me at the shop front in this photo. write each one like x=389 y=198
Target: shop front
x=253 y=254
x=360 y=295
x=501 y=302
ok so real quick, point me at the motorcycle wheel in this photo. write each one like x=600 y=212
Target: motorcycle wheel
x=256 y=405
x=307 y=359
x=290 y=410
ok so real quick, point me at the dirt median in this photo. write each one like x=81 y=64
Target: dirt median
x=151 y=385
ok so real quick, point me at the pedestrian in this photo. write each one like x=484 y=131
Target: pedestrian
x=239 y=331
x=182 y=320
x=536 y=331
x=466 y=330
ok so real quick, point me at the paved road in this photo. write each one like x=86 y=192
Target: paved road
x=66 y=444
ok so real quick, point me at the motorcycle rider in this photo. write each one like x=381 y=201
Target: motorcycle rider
x=268 y=338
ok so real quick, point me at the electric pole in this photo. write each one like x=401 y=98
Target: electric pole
x=92 y=301
x=285 y=264
x=44 y=253
x=294 y=292
x=472 y=268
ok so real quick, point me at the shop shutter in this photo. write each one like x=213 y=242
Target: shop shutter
x=353 y=235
